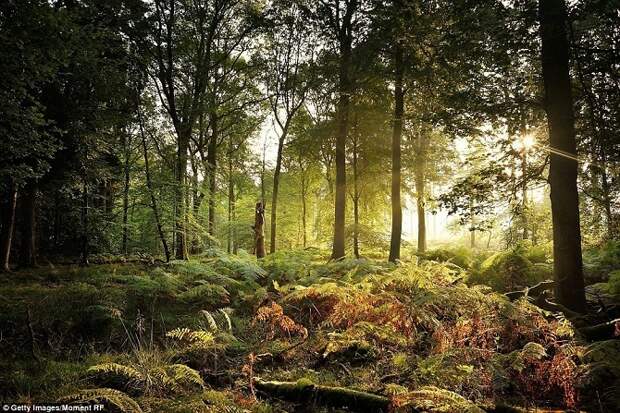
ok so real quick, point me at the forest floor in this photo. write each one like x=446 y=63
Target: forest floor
x=228 y=333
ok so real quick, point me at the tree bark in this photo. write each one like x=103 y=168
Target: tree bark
x=304 y=208
x=212 y=166
x=231 y=205
x=567 y=263
x=8 y=226
x=342 y=120
x=276 y=185
x=149 y=185
x=84 y=241
x=399 y=105
x=420 y=185
x=181 y=175
x=28 y=250
x=356 y=201
x=259 y=230
x=125 y=236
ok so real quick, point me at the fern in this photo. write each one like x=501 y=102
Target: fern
x=129 y=376
x=210 y=320
x=190 y=336
x=185 y=376
x=110 y=397
x=205 y=294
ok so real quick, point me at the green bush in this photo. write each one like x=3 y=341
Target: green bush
x=510 y=270
x=459 y=256
x=600 y=261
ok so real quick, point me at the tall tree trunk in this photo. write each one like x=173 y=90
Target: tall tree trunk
x=399 y=105
x=126 y=177
x=84 y=241
x=181 y=172
x=212 y=166
x=8 y=226
x=524 y=201
x=472 y=225
x=567 y=262
x=28 y=250
x=149 y=186
x=342 y=120
x=304 y=209
x=231 y=200
x=276 y=185
x=259 y=230
x=356 y=200
x=420 y=185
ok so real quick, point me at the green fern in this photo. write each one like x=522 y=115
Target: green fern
x=117 y=373
x=190 y=336
x=110 y=397
x=205 y=295
x=183 y=376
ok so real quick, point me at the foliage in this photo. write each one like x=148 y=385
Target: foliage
x=512 y=270
x=114 y=399
x=600 y=261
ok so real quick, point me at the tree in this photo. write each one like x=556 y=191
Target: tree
x=286 y=65
x=567 y=260
x=342 y=26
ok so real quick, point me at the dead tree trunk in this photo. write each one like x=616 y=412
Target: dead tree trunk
x=567 y=263
x=28 y=249
x=259 y=230
x=8 y=226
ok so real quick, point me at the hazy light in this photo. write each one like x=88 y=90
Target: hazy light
x=524 y=143
x=528 y=142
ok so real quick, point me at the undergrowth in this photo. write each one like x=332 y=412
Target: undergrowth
x=191 y=335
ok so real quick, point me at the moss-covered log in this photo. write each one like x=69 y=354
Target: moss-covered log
x=304 y=391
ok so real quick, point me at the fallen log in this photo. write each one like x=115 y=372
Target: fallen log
x=604 y=331
x=533 y=291
x=304 y=391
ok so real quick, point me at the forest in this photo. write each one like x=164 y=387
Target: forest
x=276 y=206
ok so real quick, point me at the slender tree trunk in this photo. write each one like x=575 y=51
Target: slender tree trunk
x=259 y=230
x=524 y=201
x=356 y=200
x=231 y=200
x=8 y=226
x=125 y=236
x=276 y=185
x=84 y=223
x=567 y=262
x=420 y=184
x=28 y=250
x=472 y=229
x=149 y=185
x=181 y=171
x=212 y=166
x=399 y=105
x=304 y=190
x=342 y=120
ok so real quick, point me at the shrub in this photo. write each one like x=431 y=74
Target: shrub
x=459 y=256
x=510 y=270
x=601 y=260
